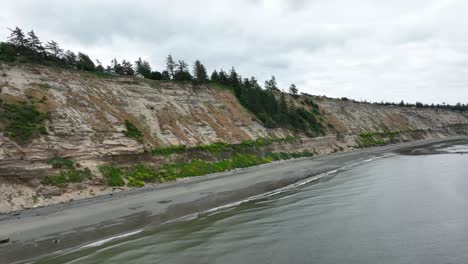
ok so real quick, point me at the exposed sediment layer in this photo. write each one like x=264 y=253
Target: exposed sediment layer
x=87 y=115
x=34 y=232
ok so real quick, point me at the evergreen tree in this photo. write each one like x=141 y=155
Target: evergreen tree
x=199 y=73
x=223 y=78
x=214 y=76
x=17 y=38
x=54 y=49
x=165 y=76
x=70 y=59
x=293 y=90
x=182 y=73
x=127 y=68
x=117 y=67
x=34 y=43
x=155 y=75
x=271 y=85
x=143 y=67
x=170 y=66
x=85 y=63
x=99 y=68
x=233 y=78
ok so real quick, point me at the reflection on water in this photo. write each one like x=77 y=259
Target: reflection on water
x=401 y=209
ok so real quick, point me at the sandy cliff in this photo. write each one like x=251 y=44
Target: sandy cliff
x=86 y=116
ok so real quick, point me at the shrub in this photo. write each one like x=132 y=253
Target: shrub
x=167 y=151
x=112 y=175
x=132 y=182
x=71 y=175
x=23 y=121
x=132 y=131
x=60 y=162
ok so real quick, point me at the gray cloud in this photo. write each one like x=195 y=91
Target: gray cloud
x=370 y=50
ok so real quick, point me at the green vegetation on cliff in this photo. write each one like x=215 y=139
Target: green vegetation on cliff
x=21 y=121
x=219 y=147
x=140 y=174
x=132 y=131
x=69 y=173
x=370 y=139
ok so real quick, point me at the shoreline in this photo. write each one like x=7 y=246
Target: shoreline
x=38 y=231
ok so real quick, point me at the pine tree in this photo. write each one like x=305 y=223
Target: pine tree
x=223 y=78
x=199 y=73
x=271 y=85
x=182 y=73
x=54 y=49
x=99 y=68
x=127 y=68
x=214 y=76
x=117 y=67
x=85 y=63
x=170 y=66
x=34 y=43
x=143 y=67
x=165 y=76
x=293 y=90
x=17 y=38
x=70 y=59
x=233 y=78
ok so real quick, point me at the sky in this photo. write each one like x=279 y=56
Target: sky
x=411 y=50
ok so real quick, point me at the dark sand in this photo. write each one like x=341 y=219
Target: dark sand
x=35 y=232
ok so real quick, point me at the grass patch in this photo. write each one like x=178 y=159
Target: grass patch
x=219 y=147
x=60 y=163
x=369 y=139
x=112 y=175
x=140 y=174
x=71 y=175
x=170 y=150
x=23 y=121
x=132 y=131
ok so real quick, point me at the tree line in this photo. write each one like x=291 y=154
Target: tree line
x=268 y=103
x=27 y=47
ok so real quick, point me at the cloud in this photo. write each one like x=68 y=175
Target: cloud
x=370 y=50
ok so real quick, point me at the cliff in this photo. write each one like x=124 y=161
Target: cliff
x=85 y=118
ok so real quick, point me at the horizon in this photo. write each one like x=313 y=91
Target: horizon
x=415 y=52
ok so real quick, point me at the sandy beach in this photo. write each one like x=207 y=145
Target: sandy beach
x=31 y=233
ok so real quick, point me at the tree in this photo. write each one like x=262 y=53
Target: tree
x=17 y=38
x=223 y=77
x=233 y=78
x=293 y=90
x=165 y=76
x=127 y=68
x=271 y=85
x=170 y=66
x=199 y=73
x=99 y=68
x=143 y=67
x=54 y=49
x=214 y=76
x=85 y=63
x=181 y=72
x=155 y=75
x=70 y=58
x=117 y=67
x=34 y=43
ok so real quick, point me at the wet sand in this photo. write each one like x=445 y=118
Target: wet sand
x=35 y=232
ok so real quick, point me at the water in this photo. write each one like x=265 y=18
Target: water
x=401 y=209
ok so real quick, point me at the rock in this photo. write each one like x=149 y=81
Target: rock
x=4 y=240
x=49 y=191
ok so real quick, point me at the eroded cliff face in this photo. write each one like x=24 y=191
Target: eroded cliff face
x=86 y=116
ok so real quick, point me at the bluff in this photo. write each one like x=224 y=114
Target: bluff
x=93 y=120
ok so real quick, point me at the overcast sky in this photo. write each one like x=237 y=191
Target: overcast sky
x=363 y=49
